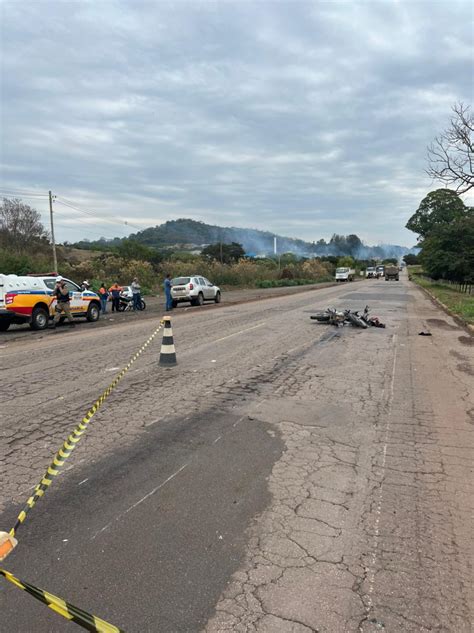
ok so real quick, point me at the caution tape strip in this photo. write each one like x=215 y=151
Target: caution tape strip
x=66 y=609
x=70 y=444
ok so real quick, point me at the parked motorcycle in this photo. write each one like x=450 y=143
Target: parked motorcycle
x=126 y=304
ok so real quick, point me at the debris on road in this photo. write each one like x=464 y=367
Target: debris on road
x=424 y=334
x=348 y=317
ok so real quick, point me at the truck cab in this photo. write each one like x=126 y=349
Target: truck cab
x=345 y=274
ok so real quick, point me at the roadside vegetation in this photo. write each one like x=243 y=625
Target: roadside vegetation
x=25 y=248
x=459 y=303
x=445 y=224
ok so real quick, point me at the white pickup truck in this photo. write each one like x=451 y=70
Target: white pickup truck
x=345 y=274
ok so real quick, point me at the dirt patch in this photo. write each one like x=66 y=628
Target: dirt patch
x=458 y=355
x=466 y=340
x=441 y=323
x=466 y=368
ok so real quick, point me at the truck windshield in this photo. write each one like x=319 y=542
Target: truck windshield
x=342 y=270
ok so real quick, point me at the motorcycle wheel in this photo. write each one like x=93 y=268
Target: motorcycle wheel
x=142 y=305
x=121 y=307
x=322 y=317
x=356 y=320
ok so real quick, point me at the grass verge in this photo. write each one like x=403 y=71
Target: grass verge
x=459 y=303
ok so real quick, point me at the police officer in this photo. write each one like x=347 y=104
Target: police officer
x=63 y=304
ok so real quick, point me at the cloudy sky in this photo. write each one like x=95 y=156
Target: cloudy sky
x=302 y=118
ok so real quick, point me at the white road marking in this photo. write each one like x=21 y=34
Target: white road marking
x=152 y=492
x=217 y=439
x=240 y=332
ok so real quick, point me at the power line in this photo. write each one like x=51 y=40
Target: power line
x=76 y=219
x=27 y=195
x=76 y=207
x=97 y=235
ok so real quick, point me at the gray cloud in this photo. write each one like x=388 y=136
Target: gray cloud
x=299 y=118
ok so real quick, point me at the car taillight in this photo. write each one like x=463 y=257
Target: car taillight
x=191 y=286
x=9 y=297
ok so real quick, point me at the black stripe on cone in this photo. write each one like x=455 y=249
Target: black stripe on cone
x=168 y=352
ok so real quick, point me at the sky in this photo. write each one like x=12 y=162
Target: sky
x=300 y=118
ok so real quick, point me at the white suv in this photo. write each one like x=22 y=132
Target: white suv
x=194 y=289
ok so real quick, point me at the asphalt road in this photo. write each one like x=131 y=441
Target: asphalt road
x=283 y=477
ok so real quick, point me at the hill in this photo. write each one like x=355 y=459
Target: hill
x=190 y=234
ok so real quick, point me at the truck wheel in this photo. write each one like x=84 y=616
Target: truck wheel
x=93 y=313
x=39 y=319
x=4 y=325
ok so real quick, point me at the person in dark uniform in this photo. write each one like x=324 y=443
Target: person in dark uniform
x=63 y=303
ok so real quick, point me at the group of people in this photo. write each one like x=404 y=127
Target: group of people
x=62 y=296
x=113 y=294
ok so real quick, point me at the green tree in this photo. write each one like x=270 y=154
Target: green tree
x=411 y=260
x=345 y=262
x=131 y=249
x=224 y=253
x=448 y=251
x=439 y=207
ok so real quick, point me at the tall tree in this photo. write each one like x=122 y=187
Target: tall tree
x=451 y=155
x=438 y=207
x=226 y=253
x=20 y=226
x=448 y=251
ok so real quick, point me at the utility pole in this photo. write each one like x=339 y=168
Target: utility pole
x=55 y=259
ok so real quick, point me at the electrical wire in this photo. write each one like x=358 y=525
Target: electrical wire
x=76 y=207
x=26 y=195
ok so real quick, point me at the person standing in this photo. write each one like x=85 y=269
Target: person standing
x=63 y=304
x=135 y=286
x=115 y=291
x=168 y=285
x=104 y=295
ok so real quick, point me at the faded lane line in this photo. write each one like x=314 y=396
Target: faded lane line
x=371 y=571
x=149 y=494
x=240 y=332
x=152 y=492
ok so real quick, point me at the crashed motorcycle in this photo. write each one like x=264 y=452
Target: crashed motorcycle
x=345 y=317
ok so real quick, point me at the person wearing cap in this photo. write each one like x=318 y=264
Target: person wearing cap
x=63 y=304
x=135 y=286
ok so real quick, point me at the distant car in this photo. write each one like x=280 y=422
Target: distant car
x=194 y=289
x=380 y=272
x=370 y=272
x=28 y=299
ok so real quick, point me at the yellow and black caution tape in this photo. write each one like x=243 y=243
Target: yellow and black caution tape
x=66 y=609
x=8 y=542
x=71 y=442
